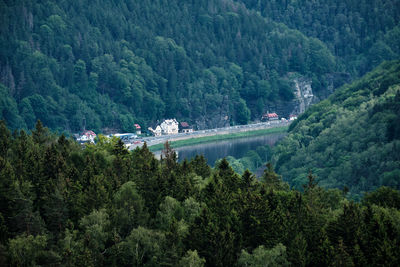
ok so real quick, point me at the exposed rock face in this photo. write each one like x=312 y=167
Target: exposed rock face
x=215 y=119
x=304 y=96
x=218 y=120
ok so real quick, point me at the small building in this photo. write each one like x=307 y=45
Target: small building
x=138 y=129
x=185 y=127
x=157 y=131
x=292 y=117
x=86 y=136
x=270 y=117
x=169 y=126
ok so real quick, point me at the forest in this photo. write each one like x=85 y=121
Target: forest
x=359 y=33
x=350 y=140
x=210 y=63
x=328 y=197
x=63 y=205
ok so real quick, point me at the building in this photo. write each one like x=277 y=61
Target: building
x=169 y=126
x=86 y=136
x=270 y=117
x=292 y=117
x=157 y=131
x=185 y=128
x=138 y=129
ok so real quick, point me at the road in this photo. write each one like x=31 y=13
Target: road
x=154 y=140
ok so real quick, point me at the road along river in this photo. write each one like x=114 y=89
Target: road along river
x=151 y=141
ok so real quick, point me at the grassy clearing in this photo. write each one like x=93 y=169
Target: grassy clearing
x=206 y=139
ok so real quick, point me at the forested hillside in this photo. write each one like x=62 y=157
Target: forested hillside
x=352 y=139
x=109 y=64
x=61 y=205
x=359 y=33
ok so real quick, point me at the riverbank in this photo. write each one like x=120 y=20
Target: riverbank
x=219 y=137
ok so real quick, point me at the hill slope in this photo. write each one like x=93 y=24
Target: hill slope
x=351 y=139
x=360 y=34
x=109 y=64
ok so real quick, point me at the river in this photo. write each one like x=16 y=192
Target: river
x=234 y=147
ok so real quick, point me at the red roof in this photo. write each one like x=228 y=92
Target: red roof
x=89 y=133
x=292 y=116
x=137 y=126
x=184 y=124
x=272 y=115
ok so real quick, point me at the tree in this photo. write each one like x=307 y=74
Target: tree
x=143 y=247
x=95 y=231
x=128 y=209
x=242 y=113
x=5 y=139
x=192 y=259
x=29 y=250
x=384 y=196
x=40 y=133
x=264 y=257
x=272 y=179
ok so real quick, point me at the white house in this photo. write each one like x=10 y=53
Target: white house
x=157 y=131
x=185 y=128
x=87 y=136
x=170 y=126
x=138 y=129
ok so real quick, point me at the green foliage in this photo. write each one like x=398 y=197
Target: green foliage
x=349 y=139
x=119 y=63
x=384 y=197
x=30 y=251
x=360 y=34
x=129 y=209
x=61 y=204
x=271 y=179
x=264 y=257
x=192 y=259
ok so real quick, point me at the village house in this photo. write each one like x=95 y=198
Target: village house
x=138 y=129
x=292 y=117
x=270 y=117
x=86 y=136
x=185 y=128
x=157 y=131
x=169 y=126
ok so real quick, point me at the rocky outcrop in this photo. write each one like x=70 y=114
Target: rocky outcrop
x=304 y=95
x=217 y=118
x=303 y=98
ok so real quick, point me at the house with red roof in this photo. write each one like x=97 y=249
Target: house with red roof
x=270 y=117
x=185 y=127
x=87 y=136
x=138 y=129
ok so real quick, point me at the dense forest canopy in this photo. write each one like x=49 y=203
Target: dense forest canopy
x=110 y=64
x=61 y=205
x=106 y=65
x=359 y=33
x=351 y=139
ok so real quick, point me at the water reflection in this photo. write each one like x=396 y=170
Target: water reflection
x=220 y=149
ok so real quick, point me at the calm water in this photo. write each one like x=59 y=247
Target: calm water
x=220 y=149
